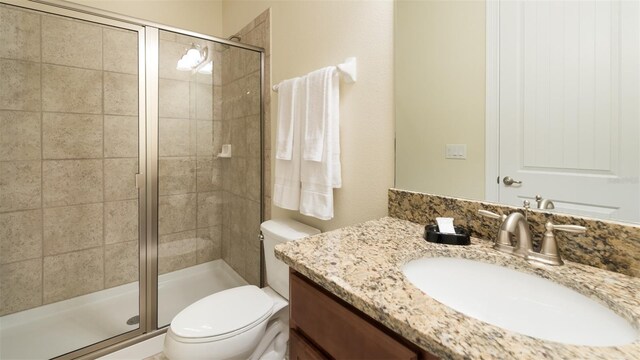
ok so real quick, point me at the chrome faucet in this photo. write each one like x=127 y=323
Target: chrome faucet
x=544 y=204
x=514 y=237
x=516 y=227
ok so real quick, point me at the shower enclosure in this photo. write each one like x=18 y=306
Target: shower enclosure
x=118 y=207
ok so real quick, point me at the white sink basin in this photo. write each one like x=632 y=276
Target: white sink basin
x=519 y=302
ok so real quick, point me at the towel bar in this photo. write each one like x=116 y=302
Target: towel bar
x=348 y=70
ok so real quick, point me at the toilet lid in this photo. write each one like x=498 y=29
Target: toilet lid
x=223 y=312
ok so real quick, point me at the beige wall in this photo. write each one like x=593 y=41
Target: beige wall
x=440 y=95
x=307 y=35
x=204 y=16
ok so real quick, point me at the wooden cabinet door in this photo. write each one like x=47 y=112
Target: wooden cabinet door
x=301 y=349
x=339 y=331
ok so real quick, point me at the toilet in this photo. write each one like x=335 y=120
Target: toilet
x=245 y=322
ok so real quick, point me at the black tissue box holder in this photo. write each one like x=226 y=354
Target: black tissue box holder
x=461 y=237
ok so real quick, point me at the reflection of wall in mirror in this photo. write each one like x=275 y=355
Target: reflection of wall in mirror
x=440 y=99
x=440 y=96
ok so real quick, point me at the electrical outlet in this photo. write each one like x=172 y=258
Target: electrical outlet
x=456 y=151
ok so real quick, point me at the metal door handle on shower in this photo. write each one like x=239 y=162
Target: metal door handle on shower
x=508 y=180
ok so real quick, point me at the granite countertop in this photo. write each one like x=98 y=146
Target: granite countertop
x=361 y=265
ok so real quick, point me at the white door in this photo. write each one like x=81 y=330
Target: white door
x=569 y=105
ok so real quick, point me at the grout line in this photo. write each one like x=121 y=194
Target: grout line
x=68 y=205
x=41 y=172
x=74 y=113
x=76 y=250
x=65 y=65
x=80 y=159
x=104 y=215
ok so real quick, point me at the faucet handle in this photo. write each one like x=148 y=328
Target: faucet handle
x=549 y=253
x=492 y=215
x=526 y=206
x=577 y=229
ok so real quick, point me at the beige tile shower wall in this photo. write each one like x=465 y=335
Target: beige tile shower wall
x=68 y=155
x=191 y=198
x=241 y=173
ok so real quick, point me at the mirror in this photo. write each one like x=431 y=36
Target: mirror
x=505 y=100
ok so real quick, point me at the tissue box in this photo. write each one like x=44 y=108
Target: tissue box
x=461 y=237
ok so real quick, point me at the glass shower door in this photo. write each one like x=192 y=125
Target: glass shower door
x=209 y=101
x=69 y=205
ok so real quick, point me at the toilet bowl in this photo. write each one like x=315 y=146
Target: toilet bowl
x=245 y=322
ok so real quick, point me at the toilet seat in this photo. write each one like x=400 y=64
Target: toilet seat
x=222 y=315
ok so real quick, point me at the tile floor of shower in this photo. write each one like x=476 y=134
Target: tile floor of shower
x=57 y=328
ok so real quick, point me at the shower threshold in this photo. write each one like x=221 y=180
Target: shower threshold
x=55 y=329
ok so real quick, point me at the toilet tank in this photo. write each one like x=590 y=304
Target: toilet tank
x=275 y=232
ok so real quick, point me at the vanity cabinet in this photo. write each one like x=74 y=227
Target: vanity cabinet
x=322 y=326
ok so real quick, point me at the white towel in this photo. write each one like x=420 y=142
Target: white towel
x=319 y=178
x=318 y=97
x=287 y=97
x=286 y=188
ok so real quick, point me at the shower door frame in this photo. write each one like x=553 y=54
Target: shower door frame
x=71 y=13
x=147 y=177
